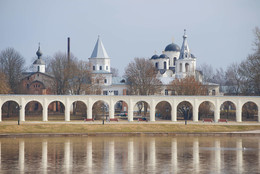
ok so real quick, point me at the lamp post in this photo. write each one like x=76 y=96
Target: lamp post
x=19 y=107
x=186 y=110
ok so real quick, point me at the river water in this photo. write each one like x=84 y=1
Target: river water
x=130 y=155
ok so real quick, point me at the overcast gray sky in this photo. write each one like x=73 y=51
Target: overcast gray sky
x=219 y=31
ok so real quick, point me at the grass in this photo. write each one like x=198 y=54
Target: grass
x=125 y=128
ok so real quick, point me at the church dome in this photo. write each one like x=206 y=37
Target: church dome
x=155 y=56
x=39 y=53
x=172 y=47
x=163 y=56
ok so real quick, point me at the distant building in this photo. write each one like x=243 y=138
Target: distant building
x=37 y=81
x=177 y=63
x=102 y=75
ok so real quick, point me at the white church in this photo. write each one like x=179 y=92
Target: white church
x=174 y=62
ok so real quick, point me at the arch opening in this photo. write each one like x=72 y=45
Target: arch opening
x=33 y=111
x=142 y=110
x=249 y=112
x=56 y=111
x=187 y=67
x=184 y=111
x=163 y=111
x=228 y=111
x=10 y=111
x=121 y=110
x=78 y=111
x=206 y=110
x=100 y=110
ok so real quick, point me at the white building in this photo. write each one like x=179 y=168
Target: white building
x=175 y=62
x=178 y=63
x=100 y=62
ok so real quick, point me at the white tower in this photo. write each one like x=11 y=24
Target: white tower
x=39 y=64
x=186 y=64
x=100 y=62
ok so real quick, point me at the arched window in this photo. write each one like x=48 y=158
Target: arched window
x=94 y=68
x=174 y=60
x=187 y=67
x=164 y=65
x=38 y=68
x=180 y=67
x=100 y=67
x=156 y=65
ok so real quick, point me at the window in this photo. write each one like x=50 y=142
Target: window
x=38 y=68
x=115 y=92
x=174 y=60
x=107 y=68
x=100 y=67
x=94 y=68
x=28 y=85
x=156 y=65
x=187 y=67
x=180 y=67
x=104 y=92
x=105 y=80
x=164 y=65
x=213 y=92
x=166 y=92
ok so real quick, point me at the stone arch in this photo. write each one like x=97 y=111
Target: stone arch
x=121 y=109
x=56 y=110
x=184 y=110
x=206 y=110
x=249 y=111
x=163 y=110
x=228 y=110
x=33 y=110
x=100 y=110
x=142 y=110
x=78 y=110
x=187 y=67
x=10 y=110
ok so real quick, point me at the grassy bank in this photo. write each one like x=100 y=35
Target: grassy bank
x=86 y=128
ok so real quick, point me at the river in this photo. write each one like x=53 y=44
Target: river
x=130 y=155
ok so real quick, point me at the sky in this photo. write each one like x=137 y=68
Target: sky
x=220 y=32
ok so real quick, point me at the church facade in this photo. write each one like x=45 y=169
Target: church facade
x=178 y=63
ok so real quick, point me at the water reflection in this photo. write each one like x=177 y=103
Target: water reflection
x=130 y=155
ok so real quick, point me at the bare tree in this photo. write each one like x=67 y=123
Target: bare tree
x=80 y=77
x=141 y=77
x=4 y=86
x=59 y=69
x=114 y=72
x=250 y=69
x=12 y=65
x=233 y=79
x=207 y=71
x=188 y=86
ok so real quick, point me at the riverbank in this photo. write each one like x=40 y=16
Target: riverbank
x=123 y=128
